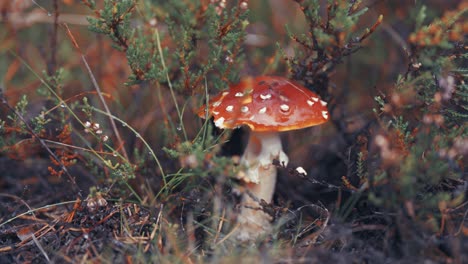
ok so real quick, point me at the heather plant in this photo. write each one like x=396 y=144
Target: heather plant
x=422 y=120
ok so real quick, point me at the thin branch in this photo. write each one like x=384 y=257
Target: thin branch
x=51 y=67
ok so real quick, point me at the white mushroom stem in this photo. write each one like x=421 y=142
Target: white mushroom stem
x=260 y=176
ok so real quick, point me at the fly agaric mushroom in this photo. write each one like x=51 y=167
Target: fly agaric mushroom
x=268 y=105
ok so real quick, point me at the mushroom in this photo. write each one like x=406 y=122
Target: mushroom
x=267 y=105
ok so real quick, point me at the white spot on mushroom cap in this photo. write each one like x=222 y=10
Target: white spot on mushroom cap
x=323 y=102
x=215 y=113
x=309 y=102
x=301 y=170
x=239 y=94
x=315 y=99
x=284 y=107
x=219 y=122
x=325 y=114
x=244 y=109
x=216 y=104
x=225 y=93
x=229 y=108
x=265 y=96
x=262 y=110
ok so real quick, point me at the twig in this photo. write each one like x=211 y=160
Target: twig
x=372 y=29
x=53 y=42
x=292 y=171
x=312 y=238
x=460 y=228
x=56 y=144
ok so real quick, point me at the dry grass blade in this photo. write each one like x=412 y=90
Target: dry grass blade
x=99 y=92
x=41 y=248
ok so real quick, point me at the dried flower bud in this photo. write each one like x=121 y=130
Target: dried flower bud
x=447 y=85
x=438 y=120
x=189 y=161
x=244 y=5
x=416 y=65
x=461 y=145
x=437 y=97
x=91 y=205
x=153 y=22
x=101 y=202
x=381 y=141
x=427 y=119
x=396 y=99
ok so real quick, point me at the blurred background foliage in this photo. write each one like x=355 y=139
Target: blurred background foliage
x=99 y=97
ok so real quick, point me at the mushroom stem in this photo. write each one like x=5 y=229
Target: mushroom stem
x=262 y=149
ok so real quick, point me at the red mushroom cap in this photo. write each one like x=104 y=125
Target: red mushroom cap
x=267 y=103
